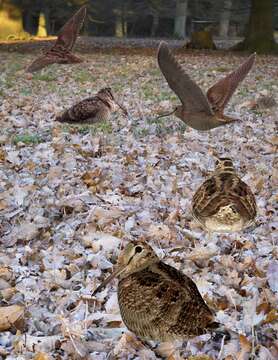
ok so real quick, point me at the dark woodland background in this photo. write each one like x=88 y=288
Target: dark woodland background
x=153 y=18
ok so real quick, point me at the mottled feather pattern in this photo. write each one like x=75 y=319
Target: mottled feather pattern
x=187 y=90
x=209 y=205
x=161 y=300
x=43 y=61
x=224 y=199
x=53 y=56
x=221 y=92
x=200 y=111
x=60 y=52
x=84 y=111
x=68 y=34
x=95 y=109
x=158 y=302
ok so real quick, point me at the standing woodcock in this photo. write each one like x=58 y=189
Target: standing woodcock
x=200 y=111
x=61 y=51
x=95 y=109
x=224 y=203
x=158 y=302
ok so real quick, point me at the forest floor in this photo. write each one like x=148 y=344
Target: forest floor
x=71 y=196
x=90 y=44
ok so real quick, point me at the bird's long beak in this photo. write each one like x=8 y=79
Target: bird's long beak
x=215 y=155
x=114 y=274
x=124 y=110
x=163 y=115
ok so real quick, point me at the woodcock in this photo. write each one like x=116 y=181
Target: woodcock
x=92 y=110
x=224 y=203
x=200 y=111
x=60 y=52
x=158 y=302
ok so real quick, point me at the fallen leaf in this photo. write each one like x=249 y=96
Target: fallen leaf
x=272 y=275
x=9 y=315
x=41 y=356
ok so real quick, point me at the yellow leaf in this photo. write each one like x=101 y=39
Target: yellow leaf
x=2 y=155
x=92 y=178
x=244 y=344
x=263 y=307
x=9 y=315
x=3 y=204
x=6 y=294
x=41 y=356
x=271 y=316
x=5 y=273
x=260 y=184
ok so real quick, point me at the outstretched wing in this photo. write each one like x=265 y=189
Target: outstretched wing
x=187 y=90
x=41 y=62
x=59 y=52
x=69 y=32
x=220 y=93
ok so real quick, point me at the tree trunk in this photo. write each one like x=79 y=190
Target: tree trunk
x=123 y=17
x=225 y=19
x=154 y=24
x=180 y=18
x=30 y=21
x=259 y=35
x=49 y=28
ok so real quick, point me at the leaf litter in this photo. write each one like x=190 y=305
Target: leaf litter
x=72 y=196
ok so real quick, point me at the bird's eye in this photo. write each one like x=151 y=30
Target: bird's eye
x=138 y=249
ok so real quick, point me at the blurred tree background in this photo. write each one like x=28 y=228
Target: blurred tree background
x=139 y=18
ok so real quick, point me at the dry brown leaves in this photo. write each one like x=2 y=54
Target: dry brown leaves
x=71 y=197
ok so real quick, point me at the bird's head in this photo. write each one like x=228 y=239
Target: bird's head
x=223 y=164
x=178 y=111
x=136 y=256
x=106 y=94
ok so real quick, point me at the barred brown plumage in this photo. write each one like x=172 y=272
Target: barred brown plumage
x=224 y=203
x=200 y=111
x=95 y=109
x=60 y=52
x=157 y=301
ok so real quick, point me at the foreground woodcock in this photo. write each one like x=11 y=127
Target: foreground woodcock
x=224 y=203
x=95 y=109
x=60 y=52
x=200 y=111
x=158 y=302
